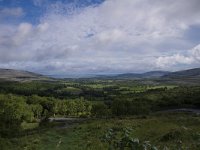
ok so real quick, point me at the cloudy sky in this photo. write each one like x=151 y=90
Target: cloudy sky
x=99 y=36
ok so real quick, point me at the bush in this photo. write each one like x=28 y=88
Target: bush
x=121 y=140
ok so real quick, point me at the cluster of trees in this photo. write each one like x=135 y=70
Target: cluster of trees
x=121 y=108
x=130 y=107
x=44 y=89
x=150 y=101
x=14 y=110
x=78 y=108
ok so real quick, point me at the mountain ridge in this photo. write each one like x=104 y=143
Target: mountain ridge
x=22 y=75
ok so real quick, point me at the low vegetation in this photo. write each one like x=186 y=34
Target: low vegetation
x=169 y=131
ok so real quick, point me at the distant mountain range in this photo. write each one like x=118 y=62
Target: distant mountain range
x=152 y=74
x=190 y=73
x=20 y=75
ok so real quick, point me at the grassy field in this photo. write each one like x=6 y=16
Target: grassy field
x=161 y=130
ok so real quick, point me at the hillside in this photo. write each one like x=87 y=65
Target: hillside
x=184 y=77
x=20 y=75
x=154 y=74
x=184 y=74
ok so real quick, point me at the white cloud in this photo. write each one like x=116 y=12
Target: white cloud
x=23 y=32
x=169 y=61
x=111 y=37
x=196 y=53
x=192 y=57
x=42 y=27
x=11 y=12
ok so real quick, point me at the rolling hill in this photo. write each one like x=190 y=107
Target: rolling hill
x=20 y=75
x=186 y=77
x=190 y=73
x=183 y=74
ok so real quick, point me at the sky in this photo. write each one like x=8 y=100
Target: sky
x=61 y=37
